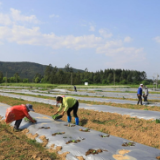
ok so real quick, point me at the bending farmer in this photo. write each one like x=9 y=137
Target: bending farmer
x=17 y=113
x=139 y=94
x=69 y=104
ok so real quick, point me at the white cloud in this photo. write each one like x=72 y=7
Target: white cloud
x=13 y=32
x=5 y=19
x=157 y=39
x=104 y=33
x=33 y=36
x=92 y=28
x=127 y=39
x=54 y=16
x=16 y=15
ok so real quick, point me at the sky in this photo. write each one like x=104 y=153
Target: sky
x=97 y=35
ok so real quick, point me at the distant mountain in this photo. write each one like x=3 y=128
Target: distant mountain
x=24 y=69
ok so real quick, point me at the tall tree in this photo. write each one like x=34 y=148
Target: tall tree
x=1 y=77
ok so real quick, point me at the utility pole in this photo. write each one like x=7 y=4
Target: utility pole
x=157 y=81
x=114 y=77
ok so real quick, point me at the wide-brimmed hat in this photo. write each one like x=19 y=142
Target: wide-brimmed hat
x=30 y=107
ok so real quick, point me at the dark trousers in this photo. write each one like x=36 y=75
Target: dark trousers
x=139 y=99
x=17 y=123
x=145 y=98
x=74 y=108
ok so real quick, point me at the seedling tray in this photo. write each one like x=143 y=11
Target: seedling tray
x=57 y=116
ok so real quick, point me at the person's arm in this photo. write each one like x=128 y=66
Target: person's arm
x=29 y=117
x=59 y=109
x=65 y=109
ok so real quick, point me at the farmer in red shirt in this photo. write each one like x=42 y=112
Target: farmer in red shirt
x=17 y=113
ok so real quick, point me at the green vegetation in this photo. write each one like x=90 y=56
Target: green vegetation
x=34 y=72
x=157 y=120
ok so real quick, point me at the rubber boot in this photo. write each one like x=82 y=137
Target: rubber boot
x=77 y=120
x=69 y=119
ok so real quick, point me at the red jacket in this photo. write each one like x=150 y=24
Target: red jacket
x=16 y=113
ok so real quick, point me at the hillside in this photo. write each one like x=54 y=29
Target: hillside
x=24 y=69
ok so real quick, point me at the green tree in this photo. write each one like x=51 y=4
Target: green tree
x=37 y=80
x=17 y=78
x=25 y=80
x=1 y=77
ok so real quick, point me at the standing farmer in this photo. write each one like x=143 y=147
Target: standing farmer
x=139 y=94
x=69 y=104
x=17 y=113
x=75 y=89
x=145 y=94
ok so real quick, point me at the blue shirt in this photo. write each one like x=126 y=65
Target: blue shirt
x=139 y=91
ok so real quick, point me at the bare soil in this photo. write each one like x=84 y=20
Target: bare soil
x=16 y=146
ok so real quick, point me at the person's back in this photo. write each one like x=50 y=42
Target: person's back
x=16 y=112
x=139 y=91
x=146 y=91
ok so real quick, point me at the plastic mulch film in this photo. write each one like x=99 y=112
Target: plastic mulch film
x=145 y=114
x=96 y=99
x=84 y=144
x=97 y=94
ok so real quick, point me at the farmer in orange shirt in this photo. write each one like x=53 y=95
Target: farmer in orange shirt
x=17 y=113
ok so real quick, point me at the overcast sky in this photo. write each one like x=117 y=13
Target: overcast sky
x=93 y=34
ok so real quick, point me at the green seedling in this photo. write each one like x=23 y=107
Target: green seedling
x=94 y=151
x=128 y=144
x=27 y=120
x=157 y=120
x=51 y=107
x=73 y=141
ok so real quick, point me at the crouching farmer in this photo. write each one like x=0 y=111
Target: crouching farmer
x=17 y=113
x=69 y=104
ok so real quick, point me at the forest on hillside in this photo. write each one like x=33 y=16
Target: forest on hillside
x=68 y=75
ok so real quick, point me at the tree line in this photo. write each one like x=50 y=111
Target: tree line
x=53 y=75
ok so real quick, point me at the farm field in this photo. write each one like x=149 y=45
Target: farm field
x=141 y=131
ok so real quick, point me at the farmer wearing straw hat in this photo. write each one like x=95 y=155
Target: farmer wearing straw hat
x=17 y=113
x=69 y=104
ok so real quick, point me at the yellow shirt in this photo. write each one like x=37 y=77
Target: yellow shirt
x=68 y=102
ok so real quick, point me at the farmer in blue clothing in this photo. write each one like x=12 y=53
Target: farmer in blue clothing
x=139 y=94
